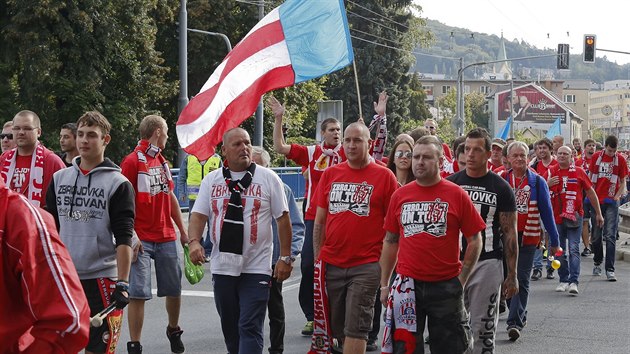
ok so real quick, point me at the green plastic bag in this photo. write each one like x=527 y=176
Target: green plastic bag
x=194 y=273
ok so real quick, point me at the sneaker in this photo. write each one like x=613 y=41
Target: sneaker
x=174 y=336
x=134 y=348
x=597 y=270
x=371 y=345
x=536 y=274
x=550 y=274
x=513 y=333
x=573 y=290
x=610 y=275
x=562 y=287
x=587 y=252
x=206 y=258
x=308 y=329
x=502 y=306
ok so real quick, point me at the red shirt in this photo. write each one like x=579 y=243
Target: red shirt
x=20 y=181
x=153 y=221
x=429 y=220
x=583 y=183
x=308 y=156
x=584 y=162
x=356 y=201
x=543 y=170
x=603 y=187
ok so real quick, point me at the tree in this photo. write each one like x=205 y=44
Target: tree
x=63 y=58
x=418 y=109
x=377 y=25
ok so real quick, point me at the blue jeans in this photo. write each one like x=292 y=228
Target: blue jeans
x=538 y=259
x=307 y=267
x=569 y=271
x=242 y=303
x=608 y=233
x=518 y=303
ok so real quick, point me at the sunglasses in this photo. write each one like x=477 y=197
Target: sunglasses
x=399 y=154
x=9 y=136
x=430 y=128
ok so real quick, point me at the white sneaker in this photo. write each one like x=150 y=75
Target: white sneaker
x=562 y=287
x=573 y=289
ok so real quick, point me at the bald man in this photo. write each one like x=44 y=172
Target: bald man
x=352 y=200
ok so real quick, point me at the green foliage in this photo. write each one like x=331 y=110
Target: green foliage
x=62 y=58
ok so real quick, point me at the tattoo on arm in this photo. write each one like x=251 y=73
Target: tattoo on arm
x=470 y=257
x=508 y=224
x=391 y=237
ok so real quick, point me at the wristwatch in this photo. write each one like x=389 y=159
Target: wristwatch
x=287 y=259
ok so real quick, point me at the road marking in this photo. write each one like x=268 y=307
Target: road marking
x=287 y=286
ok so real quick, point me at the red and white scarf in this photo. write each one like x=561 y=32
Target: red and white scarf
x=144 y=177
x=328 y=158
x=613 y=177
x=378 y=147
x=36 y=175
x=321 y=342
x=566 y=194
x=401 y=315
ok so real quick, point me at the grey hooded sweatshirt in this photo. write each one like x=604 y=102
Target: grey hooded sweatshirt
x=94 y=213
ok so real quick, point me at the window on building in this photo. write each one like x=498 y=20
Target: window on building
x=484 y=89
x=446 y=89
x=569 y=98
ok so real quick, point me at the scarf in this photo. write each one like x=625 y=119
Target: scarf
x=36 y=175
x=321 y=342
x=613 y=176
x=144 y=178
x=329 y=157
x=231 y=242
x=378 y=147
x=401 y=313
x=566 y=195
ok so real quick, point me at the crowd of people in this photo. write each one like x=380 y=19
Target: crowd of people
x=485 y=214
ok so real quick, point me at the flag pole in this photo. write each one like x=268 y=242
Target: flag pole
x=356 y=81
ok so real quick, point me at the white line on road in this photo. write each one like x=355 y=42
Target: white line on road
x=287 y=286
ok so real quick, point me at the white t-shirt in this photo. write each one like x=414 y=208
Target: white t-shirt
x=262 y=201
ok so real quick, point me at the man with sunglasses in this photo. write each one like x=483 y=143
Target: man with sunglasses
x=28 y=168
x=7 y=137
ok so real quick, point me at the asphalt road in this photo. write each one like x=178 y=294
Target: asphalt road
x=596 y=321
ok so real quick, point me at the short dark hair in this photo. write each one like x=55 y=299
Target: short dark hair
x=72 y=127
x=418 y=133
x=480 y=133
x=327 y=121
x=457 y=142
x=431 y=140
x=95 y=118
x=545 y=141
x=461 y=148
x=589 y=141
x=611 y=141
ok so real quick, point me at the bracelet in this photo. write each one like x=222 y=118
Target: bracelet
x=193 y=240
x=384 y=287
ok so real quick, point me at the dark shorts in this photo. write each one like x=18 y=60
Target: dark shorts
x=98 y=292
x=351 y=294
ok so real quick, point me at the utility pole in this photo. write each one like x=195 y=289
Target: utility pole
x=182 y=100
x=258 y=123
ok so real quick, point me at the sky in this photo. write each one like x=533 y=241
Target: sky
x=543 y=24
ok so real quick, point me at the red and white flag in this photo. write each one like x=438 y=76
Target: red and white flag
x=297 y=41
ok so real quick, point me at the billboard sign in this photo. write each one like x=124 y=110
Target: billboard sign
x=530 y=105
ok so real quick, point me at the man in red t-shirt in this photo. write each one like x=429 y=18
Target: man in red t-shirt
x=352 y=199
x=156 y=209
x=609 y=171
x=566 y=184
x=316 y=158
x=29 y=168
x=429 y=214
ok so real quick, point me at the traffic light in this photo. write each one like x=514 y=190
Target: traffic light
x=563 y=56
x=589 y=48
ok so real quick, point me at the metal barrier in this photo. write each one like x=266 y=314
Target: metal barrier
x=292 y=176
